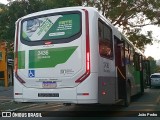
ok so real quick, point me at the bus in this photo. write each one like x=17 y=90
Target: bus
x=74 y=55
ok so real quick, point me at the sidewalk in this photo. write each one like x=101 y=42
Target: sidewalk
x=6 y=91
x=2 y=88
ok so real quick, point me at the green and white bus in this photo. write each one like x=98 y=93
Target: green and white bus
x=74 y=55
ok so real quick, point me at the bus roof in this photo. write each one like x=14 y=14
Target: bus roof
x=89 y=9
x=60 y=10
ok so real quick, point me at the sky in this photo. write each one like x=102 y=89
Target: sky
x=4 y=1
x=150 y=50
x=153 y=50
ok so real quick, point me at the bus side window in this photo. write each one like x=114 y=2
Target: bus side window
x=136 y=61
x=105 y=40
x=127 y=60
x=131 y=54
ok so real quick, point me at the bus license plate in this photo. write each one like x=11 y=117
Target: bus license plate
x=49 y=84
x=48 y=94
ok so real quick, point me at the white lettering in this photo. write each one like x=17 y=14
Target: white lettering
x=142 y=114
x=152 y=114
x=147 y=114
x=43 y=52
x=19 y=114
x=34 y=115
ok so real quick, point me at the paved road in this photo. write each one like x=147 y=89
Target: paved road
x=6 y=94
x=149 y=103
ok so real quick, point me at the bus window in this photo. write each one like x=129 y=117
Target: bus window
x=105 y=40
x=126 y=53
x=136 y=61
x=131 y=55
x=58 y=28
x=140 y=63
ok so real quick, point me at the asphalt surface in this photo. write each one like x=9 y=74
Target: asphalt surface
x=6 y=94
x=149 y=103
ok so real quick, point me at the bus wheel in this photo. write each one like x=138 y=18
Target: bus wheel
x=67 y=104
x=128 y=95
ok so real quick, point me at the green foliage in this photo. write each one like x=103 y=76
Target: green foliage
x=139 y=40
x=62 y=3
x=153 y=65
x=18 y=8
x=131 y=16
x=3 y=19
x=158 y=69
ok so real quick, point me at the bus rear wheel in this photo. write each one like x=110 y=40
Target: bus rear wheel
x=128 y=95
x=67 y=104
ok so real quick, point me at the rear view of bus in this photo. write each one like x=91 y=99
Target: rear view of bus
x=52 y=57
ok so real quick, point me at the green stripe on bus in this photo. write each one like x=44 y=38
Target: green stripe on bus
x=137 y=77
x=21 y=59
x=48 y=58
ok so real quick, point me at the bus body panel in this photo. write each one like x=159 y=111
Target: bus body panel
x=54 y=62
x=77 y=72
x=63 y=82
x=91 y=90
x=107 y=81
x=107 y=90
x=77 y=95
x=94 y=43
x=18 y=90
x=62 y=94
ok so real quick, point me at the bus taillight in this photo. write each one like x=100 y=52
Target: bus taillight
x=87 y=73
x=16 y=57
x=88 y=62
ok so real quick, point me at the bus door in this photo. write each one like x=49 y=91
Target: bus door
x=120 y=67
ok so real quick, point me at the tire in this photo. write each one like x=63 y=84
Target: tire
x=67 y=104
x=128 y=95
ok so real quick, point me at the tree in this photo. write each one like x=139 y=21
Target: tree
x=50 y=4
x=131 y=16
x=153 y=65
x=3 y=18
x=158 y=69
x=18 y=8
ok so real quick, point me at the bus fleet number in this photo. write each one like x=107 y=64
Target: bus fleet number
x=43 y=52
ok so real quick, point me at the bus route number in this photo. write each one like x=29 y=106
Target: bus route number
x=43 y=52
